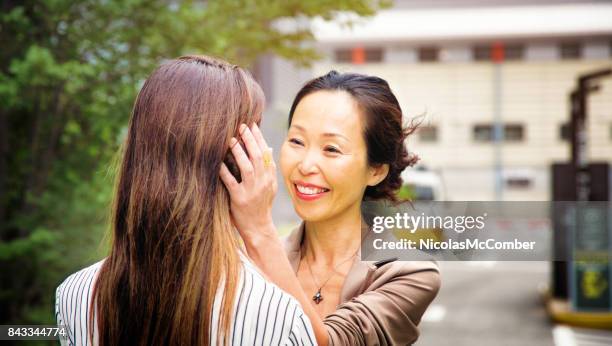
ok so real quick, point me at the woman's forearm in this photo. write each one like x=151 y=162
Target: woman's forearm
x=268 y=253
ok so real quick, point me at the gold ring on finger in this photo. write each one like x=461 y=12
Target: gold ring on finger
x=267 y=158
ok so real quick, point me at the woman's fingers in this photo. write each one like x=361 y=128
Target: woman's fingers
x=228 y=179
x=261 y=141
x=244 y=164
x=258 y=169
x=252 y=147
x=268 y=158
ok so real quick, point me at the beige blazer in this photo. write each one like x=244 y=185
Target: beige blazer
x=381 y=303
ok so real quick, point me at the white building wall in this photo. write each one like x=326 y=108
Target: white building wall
x=456 y=96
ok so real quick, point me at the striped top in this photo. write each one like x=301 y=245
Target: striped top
x=263 y=313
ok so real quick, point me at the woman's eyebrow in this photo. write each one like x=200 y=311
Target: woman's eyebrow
x=326 y=134
x=333 y=134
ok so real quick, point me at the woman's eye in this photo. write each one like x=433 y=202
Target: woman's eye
x=332 y=150
x=295 y=141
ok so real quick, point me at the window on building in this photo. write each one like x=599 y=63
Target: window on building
x=564 y=132
x=363 y=55
x=428 y=54
x=374 y=54
x=483 y=133
x=513 y=133
x=514 y=52
x=510 y=132
x=343 y=55
x=570 y=50
x=482 y=53
x=518 y=183
x=510 y=52
x=428 y=134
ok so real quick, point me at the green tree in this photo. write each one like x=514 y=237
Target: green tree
x=69 y=72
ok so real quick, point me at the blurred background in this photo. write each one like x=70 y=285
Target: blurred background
x=491 y=81
x=515 y=99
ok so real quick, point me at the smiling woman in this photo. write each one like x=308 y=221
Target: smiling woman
x=324 y=157
x=345 y=144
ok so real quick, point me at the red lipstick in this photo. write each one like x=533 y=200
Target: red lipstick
x=309 y=195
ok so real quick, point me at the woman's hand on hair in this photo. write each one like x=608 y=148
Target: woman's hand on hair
x=251 y=209
x=251 y=199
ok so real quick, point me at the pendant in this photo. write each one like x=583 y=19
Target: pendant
x=317 y=297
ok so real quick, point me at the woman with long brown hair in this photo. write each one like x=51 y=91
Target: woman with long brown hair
x=175 y=274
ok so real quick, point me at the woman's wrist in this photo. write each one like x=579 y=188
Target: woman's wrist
x=261 y=245
x=268 y=253
x=260 y=236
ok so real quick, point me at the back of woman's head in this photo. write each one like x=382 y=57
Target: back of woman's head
x=383 y=132
x=173 y=242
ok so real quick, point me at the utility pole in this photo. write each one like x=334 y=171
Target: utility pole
x=578 y=130
x=497 y=56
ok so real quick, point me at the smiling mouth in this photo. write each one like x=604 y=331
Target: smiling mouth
x=309 y=192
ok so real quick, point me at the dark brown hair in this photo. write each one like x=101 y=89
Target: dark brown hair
x=384 y=133
x=173 y=243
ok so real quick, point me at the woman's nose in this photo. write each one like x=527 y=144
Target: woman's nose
x=308 y=164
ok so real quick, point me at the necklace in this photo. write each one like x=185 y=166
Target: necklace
x=318 y=297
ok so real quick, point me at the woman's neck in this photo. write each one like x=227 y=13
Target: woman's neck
x=334 y=240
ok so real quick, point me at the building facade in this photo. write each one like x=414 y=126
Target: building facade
x=469 y=68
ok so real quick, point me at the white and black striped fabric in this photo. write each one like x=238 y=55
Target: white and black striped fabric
x=263 y=313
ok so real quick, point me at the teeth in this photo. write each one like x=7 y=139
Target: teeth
x=309 y=190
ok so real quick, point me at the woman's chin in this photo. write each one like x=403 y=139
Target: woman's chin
x=310 y=214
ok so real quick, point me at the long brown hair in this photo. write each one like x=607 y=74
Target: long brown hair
x=173 y=244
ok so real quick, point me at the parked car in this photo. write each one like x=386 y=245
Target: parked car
x=422 y=184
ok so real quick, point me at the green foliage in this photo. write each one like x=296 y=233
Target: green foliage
x=406 y=193
x=69 y=72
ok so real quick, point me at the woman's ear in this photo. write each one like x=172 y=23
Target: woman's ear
x=378 y=174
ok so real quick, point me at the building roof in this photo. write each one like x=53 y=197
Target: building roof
x=471 y=23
